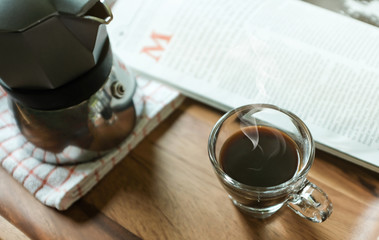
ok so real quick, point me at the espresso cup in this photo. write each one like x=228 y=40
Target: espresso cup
x=262 y=154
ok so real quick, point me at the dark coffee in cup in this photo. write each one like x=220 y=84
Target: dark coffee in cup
x=260 y=156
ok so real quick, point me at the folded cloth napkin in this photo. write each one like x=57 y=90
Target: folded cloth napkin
x=60 y=186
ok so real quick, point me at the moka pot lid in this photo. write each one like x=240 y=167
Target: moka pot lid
x=19 y=15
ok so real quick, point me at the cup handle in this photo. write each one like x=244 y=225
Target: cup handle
x=311 y=203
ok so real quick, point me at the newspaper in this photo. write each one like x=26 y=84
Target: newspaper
x=322 y=66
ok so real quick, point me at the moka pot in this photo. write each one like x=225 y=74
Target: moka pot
x=72 y=99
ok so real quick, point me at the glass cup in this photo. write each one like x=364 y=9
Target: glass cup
x=300 y=195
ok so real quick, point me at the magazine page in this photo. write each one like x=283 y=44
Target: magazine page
x=318 y=64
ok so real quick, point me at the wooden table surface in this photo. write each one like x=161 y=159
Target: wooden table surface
x=166 y=189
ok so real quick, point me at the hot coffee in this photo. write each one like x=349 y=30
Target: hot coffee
x=260 y=156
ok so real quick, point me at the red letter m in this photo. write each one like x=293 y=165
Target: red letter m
x=157 y=49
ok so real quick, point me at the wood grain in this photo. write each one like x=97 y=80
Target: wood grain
x=8 y=231
x=166 y=189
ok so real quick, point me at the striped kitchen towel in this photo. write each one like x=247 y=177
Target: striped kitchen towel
x=60 y=186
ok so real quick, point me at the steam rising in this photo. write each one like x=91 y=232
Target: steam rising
x=256 y=51
x=249 y=120
x=276 y=148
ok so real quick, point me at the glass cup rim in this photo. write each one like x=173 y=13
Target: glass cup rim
x=211 y=153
